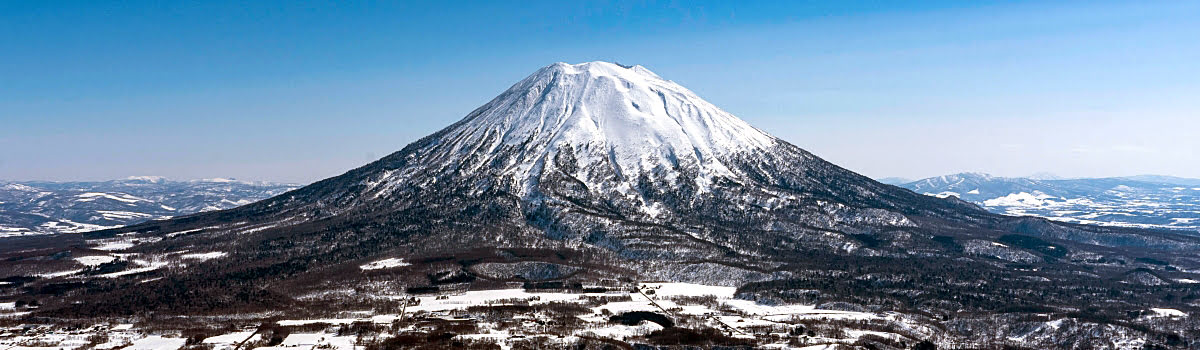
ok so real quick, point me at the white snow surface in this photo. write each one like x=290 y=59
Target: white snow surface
x=156 y=342
x=690 y=289
x=122 y=197
x=229 y=338
x=95 y=260
x=114 y=245
x=1022 y=199
x=385 y=263
x=627 y=119
x=1164 y=312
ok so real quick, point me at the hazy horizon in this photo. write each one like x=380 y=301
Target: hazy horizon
x=300 y=92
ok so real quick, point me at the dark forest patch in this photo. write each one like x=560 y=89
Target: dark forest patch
x=634 y=318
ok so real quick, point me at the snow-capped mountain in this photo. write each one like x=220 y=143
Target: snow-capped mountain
x=1147 y=201
x=601 y=173
x=613 y=120
x=38 y=207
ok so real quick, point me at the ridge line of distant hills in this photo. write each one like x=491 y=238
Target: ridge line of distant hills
x=1145 y=201
x=45 y=207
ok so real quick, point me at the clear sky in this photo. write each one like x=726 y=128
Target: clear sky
x=301 y=90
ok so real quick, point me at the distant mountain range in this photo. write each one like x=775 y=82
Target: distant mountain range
x=40 y=207
x=1147 y=201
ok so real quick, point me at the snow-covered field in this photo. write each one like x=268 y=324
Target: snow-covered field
x=511 y=317
x=687 y=305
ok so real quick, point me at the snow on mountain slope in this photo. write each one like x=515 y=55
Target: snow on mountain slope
x=624 y=119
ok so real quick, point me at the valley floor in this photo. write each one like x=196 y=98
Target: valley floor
x=596 y=317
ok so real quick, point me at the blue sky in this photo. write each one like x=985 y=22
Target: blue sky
x=298 y=91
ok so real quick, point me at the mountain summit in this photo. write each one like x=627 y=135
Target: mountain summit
x=601 y=172
x=616 y=122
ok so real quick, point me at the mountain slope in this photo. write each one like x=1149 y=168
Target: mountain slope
x=596 y=172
